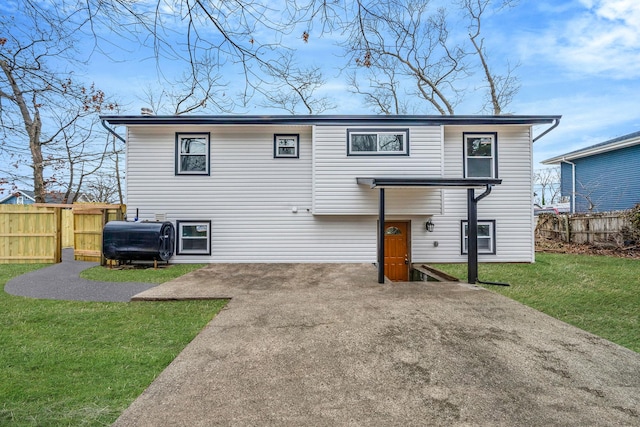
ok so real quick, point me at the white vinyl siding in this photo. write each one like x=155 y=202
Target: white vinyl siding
x=335 y=189
x=510 y=203
x=310 y=209
x=249 y=198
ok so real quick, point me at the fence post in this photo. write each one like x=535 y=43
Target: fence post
x=58 y=239
x=568 y=227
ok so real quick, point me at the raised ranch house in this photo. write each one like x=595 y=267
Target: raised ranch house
x=248 y=189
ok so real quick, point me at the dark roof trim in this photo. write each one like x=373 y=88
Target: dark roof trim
x=374 y=182
x=329 y=120
x=602 y=147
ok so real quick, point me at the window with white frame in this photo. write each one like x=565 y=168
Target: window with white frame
x=194 y=238
x=388 y=142
x=480 y=155
x=486 y=237
x=192 y=153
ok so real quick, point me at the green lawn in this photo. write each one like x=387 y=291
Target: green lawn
x=83 y=363
x=599 y=294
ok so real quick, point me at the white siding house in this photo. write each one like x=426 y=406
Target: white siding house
x=247 y=189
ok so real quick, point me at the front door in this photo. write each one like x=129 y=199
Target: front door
x=396 y=251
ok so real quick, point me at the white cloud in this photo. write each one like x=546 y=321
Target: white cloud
x=602 y=39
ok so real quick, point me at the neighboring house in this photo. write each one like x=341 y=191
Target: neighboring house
x=25 y=197
x=249 y=189
x=19 y=197
x=603 y=177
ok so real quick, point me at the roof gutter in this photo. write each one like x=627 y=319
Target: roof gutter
x=555 y=125
x=111 y=131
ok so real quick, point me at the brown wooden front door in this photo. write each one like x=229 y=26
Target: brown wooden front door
x=396 y=251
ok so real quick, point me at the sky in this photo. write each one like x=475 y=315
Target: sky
x=577 y=58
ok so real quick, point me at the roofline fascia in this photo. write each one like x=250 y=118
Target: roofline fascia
x=329 y=120
x=592 y=151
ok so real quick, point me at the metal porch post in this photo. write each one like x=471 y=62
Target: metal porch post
x=381 y=238
x=472 y=237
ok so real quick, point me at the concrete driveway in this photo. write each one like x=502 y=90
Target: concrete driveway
x=316 y=345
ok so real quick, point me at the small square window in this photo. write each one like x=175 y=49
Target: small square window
x=192 y=154
x=194 y=238
x=486 y=237
x=286 y=146
x=388 y=142
x=480 y=155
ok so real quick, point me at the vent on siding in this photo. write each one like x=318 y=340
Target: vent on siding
x=161 y=217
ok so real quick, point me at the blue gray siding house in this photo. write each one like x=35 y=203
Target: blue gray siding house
x=19 y=197
x=602 y=177
x=26 y=197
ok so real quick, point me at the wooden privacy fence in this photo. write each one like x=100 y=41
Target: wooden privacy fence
x=30 y=234
x=611 y=228
x=88 y=222
x=37 y=233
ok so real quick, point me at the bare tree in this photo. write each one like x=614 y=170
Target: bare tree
x=200 y=87
x=501 y=88
x=103 y=187
x=39 y=105
x=548 y=180
x=383 y=94
x=415 y=41
x=294 y=87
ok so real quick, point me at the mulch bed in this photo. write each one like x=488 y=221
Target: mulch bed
x=552 y=246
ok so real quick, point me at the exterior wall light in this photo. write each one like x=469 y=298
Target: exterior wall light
x=429 y=226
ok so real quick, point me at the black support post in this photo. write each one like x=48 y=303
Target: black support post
x=472 y=237
x=381 y=238
x=472 y=233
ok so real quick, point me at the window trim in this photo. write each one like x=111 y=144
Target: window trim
x=178 y=154
x=179 y=249
x=492 y=236
x=378 y=131
x=276 y=137
x=494 y=152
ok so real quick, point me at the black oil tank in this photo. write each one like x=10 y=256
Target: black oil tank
x=138 y=241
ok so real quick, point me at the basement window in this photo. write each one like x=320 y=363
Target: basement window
x=194 y=238
x=486 y=237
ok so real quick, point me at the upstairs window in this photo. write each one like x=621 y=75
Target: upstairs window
x=367 y=142
x=192 y=153
x=480 y=155
x=286 y=146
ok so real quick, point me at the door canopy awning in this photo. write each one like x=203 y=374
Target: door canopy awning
x=408 y=181
x=472 y=209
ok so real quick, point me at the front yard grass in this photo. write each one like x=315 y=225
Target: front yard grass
x=83 y=363
x=600 y=294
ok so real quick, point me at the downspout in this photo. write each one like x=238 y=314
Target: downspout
x=573 y=184
x=472 y=237
x=112 y=132
x=555 y=125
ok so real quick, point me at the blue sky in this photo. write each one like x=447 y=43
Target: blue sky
x=577 y=58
